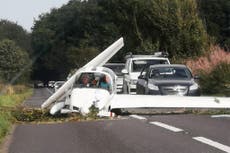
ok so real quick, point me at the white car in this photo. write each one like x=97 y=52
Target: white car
x=117 y=68
x=134 y=65
x=51 y=84
x=57 y=85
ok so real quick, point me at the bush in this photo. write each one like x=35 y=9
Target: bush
x=214 y=71
x=217 y=82
x=209 y=61
x=93 y=111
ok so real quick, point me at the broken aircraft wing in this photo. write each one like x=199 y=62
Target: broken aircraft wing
x=150 y=101
x=99 y=60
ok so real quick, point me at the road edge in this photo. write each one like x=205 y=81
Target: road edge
x=4 y=146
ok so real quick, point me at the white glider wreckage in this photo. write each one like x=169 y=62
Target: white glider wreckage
x=85 y=88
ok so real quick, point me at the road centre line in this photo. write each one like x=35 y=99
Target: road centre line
x=168 y=127
x=213 y=143
x=223 y=115
x=138 y=117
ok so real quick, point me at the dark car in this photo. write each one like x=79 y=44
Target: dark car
x=167 y=79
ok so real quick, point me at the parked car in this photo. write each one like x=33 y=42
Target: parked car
x=117 y=67
x=51 y=84
x=38 y=84
x=57 y=85
x=167 y=79
x=134 y=65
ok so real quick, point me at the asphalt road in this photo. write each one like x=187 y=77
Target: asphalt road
x=39 y=96
x=128 y=134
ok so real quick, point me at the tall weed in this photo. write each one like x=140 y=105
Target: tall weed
x=208 y=62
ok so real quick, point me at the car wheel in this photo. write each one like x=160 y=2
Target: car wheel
x=119 y=111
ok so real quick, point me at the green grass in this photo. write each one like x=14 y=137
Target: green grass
x=7 y=103
x=5 y=123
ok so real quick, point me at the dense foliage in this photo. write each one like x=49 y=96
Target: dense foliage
x=15 y=49
x=217 y=82
x=70 y=36
x=214 y=71
x=216 y=17
x=13 y=31
x=13 y=61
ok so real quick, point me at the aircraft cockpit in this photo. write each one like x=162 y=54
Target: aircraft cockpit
x=102 y=78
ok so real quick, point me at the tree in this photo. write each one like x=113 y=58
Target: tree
x=216 y=17
x=68 y=37
x=13 y=62
x=76 y=28
x=153 y=25
x=13 y=31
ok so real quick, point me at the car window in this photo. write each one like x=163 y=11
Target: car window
x=116 y=68
x=170 y=73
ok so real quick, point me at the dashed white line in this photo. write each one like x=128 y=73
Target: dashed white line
x=213 y=143
x=168 y=127
x=138 y=117
x=223 y=115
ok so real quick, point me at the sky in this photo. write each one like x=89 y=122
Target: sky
x=24 y=12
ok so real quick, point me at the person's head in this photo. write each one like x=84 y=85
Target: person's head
x=85 y=79
x=105 y=79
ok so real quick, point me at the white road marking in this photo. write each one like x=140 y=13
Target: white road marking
x=213 y=143
x=223 y=115
x=138 y=117
x=49 y=90
x=168 y=127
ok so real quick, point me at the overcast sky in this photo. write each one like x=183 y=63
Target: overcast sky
x=25 y=11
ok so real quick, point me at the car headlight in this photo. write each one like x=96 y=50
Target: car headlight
x=152 y=86
x=195 y=86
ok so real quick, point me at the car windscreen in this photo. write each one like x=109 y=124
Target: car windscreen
x=138 y=65
x=170 y=73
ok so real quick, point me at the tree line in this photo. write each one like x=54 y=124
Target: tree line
x=70 y=36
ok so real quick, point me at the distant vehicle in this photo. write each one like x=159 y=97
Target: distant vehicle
x=57 y=85
x=134 y=65
x=38 y=84
x=117 y=67
x=167 y=79
x=51 y=84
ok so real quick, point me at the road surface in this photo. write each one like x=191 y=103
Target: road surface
x=128 y=134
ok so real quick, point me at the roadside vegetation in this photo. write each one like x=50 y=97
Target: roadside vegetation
x=10 y=98
x=214 y=71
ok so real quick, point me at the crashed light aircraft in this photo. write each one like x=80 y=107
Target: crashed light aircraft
x=72 y=97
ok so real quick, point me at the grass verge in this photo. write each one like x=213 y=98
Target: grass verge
x=8 y=102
